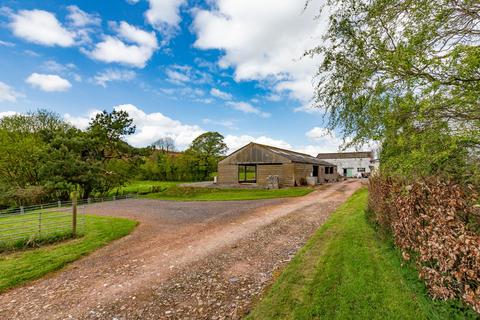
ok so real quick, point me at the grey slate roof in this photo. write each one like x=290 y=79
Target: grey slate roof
x=295 y=156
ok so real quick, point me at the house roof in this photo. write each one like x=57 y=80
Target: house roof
x=346 y=155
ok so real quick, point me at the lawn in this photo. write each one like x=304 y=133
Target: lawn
x=36 y=227
x=346 y=272
x=210 y=194
x=143 y=187
x=22 y=266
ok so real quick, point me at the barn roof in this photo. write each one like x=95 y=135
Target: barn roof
x=295 y=156
x=346 y=155
x=292 y=156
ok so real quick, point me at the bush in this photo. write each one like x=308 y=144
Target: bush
x=435 y=224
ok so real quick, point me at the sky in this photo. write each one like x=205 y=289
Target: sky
x=178 y=67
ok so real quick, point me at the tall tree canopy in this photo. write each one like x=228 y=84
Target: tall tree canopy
x=407 y=74
x=207 y=149
x=44 y=158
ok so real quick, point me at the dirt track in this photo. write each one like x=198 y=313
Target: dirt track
x=188 y=260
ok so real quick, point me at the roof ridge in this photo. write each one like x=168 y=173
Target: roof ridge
x=281 y=149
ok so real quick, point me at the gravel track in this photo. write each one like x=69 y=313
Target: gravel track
x=186 y=260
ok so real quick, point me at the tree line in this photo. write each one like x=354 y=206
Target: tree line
x=43 y=158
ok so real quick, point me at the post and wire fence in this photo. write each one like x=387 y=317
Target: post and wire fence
x=46 y=223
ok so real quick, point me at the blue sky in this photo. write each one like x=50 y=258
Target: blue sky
x=178 y=67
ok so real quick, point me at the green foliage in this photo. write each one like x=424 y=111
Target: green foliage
x=197 y=163
x=43 y=158
x=345 y=272
x=406 y=74
x=20 y=267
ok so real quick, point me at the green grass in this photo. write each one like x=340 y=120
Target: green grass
x=346 y=272
x=34 y=228
x=143 y=187
x=19 y=267
x=210 y=194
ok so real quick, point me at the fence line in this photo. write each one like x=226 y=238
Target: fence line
x=45 y=222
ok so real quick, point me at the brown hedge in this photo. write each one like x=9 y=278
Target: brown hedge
x=434 y=223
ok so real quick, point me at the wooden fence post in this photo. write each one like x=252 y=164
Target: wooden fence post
x=74 y=214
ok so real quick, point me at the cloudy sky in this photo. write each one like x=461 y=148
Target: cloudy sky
x=178 y=67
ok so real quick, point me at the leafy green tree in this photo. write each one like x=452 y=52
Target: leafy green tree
x=205 y=151
x=407 y=74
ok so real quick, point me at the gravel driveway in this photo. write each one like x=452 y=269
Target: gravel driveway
x=186 y=260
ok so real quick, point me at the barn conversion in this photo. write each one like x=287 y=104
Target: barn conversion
x=254 y=163
x=351 y=164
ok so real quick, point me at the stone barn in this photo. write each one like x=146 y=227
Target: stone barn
x=253 y=163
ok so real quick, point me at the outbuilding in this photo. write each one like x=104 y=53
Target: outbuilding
x=351 y=164
x=254 y=163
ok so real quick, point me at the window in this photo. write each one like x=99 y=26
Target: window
x=329 y=170
x=360 y=169
x=247 y=173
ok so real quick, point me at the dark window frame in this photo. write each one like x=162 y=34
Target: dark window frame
x=362 y=170
x=244 y=172
x=329 y=170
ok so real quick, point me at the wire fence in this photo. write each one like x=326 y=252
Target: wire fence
x=33 y=225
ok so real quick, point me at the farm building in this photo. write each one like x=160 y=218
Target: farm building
x=254 y=162
x=351 y=164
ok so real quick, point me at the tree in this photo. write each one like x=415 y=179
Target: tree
x=407 y=74
x=166 y=144
x=207 y=149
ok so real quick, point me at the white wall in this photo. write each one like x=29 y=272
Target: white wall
x=353 y=163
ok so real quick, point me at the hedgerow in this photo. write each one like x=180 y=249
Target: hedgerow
x=436 y=225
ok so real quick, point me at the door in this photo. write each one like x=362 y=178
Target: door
x=315 y=171
x=349 y=172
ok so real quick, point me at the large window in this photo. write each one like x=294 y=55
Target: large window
x=247 y=173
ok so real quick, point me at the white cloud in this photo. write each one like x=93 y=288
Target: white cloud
x=149 y=127
x=7 y=114
x=7 y=44
x=264 y=40
x=109 y=75
x=41 y=27
x=48 y=82
x=181 y=74
x=220 y=94
x=164 y=15
x=176 y=76
x=132 y=46
x=7 y=93
x=81 y=122
x=133 y=1
x=246 y=107
x=152 y=126
x=80 y=18
x=236 y=142
x=224 y=123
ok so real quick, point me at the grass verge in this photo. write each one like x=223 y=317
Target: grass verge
x=19 y=267
x=210 y=194
x=346 y=272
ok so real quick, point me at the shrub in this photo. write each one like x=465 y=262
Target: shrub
x=435 y=224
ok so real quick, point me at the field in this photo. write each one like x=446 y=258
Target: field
x=22 y=266
x=169 y=190
x=346 y=272
x=209 y=194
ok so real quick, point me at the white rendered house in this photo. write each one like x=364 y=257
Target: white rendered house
x=351 y=164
